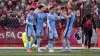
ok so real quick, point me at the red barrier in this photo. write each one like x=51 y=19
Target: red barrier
x=16 y=35
x=17 y=40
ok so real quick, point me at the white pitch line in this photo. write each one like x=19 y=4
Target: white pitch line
x=73 y=48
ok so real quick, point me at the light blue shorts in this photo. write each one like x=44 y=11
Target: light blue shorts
x=67 y=33
x=30 y=31
x=53 y=34
x=39 y=32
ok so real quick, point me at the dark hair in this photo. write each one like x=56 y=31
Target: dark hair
x=40 y=7
x=62 y=8
x=32 y=9
x=51 y=8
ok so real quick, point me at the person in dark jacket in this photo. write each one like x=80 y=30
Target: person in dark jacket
x=88 y=25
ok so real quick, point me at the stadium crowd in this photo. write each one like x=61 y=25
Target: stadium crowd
x=13 y=12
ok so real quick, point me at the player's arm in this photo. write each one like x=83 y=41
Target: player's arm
x=27 y=20
x=66 y=16
x=60 y=17
x=45 y=19
x=48 y=24
x=35 y=18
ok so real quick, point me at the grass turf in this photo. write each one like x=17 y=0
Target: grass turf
x=56 y=53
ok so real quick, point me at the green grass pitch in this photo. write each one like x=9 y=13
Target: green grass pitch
x=56 y=53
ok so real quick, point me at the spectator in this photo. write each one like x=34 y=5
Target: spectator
x=6 y=2
x=0 y=1
x=88 y=24
x=4 y=11
x=22 y=20
x=14 y=2
x=2 y=20
x=2 y=4
x=98 y=6
x=23 y=6
x=17 y=10
x=12 y=22
x=10 y=6
x=34 y=4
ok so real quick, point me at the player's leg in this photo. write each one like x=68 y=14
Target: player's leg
x=64 y=41
x=89 y=42
x=64 y=44
x=83 y=39
x=89 y=38
x=40 y=35
x=68 y=45
x=67 y=39
x=86 y=40
x=47 y=46
x=28 y=44
x=55 y=35
x=33 y=37
x=52 y=40
x=50 y=45
x=28 y=33
x=39 y=43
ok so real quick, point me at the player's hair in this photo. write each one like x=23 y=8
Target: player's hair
x=41 y=6
x=51 y=8
x=32 y=9
x=62 y=8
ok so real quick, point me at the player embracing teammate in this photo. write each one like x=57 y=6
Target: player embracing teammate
x=70 y=17
x=51 y=17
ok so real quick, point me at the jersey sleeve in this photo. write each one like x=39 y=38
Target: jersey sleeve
x=27 y=20
x=45 y=16
x=70 y=15
x=48 y=22
x=73 y=17
x=60 y=17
